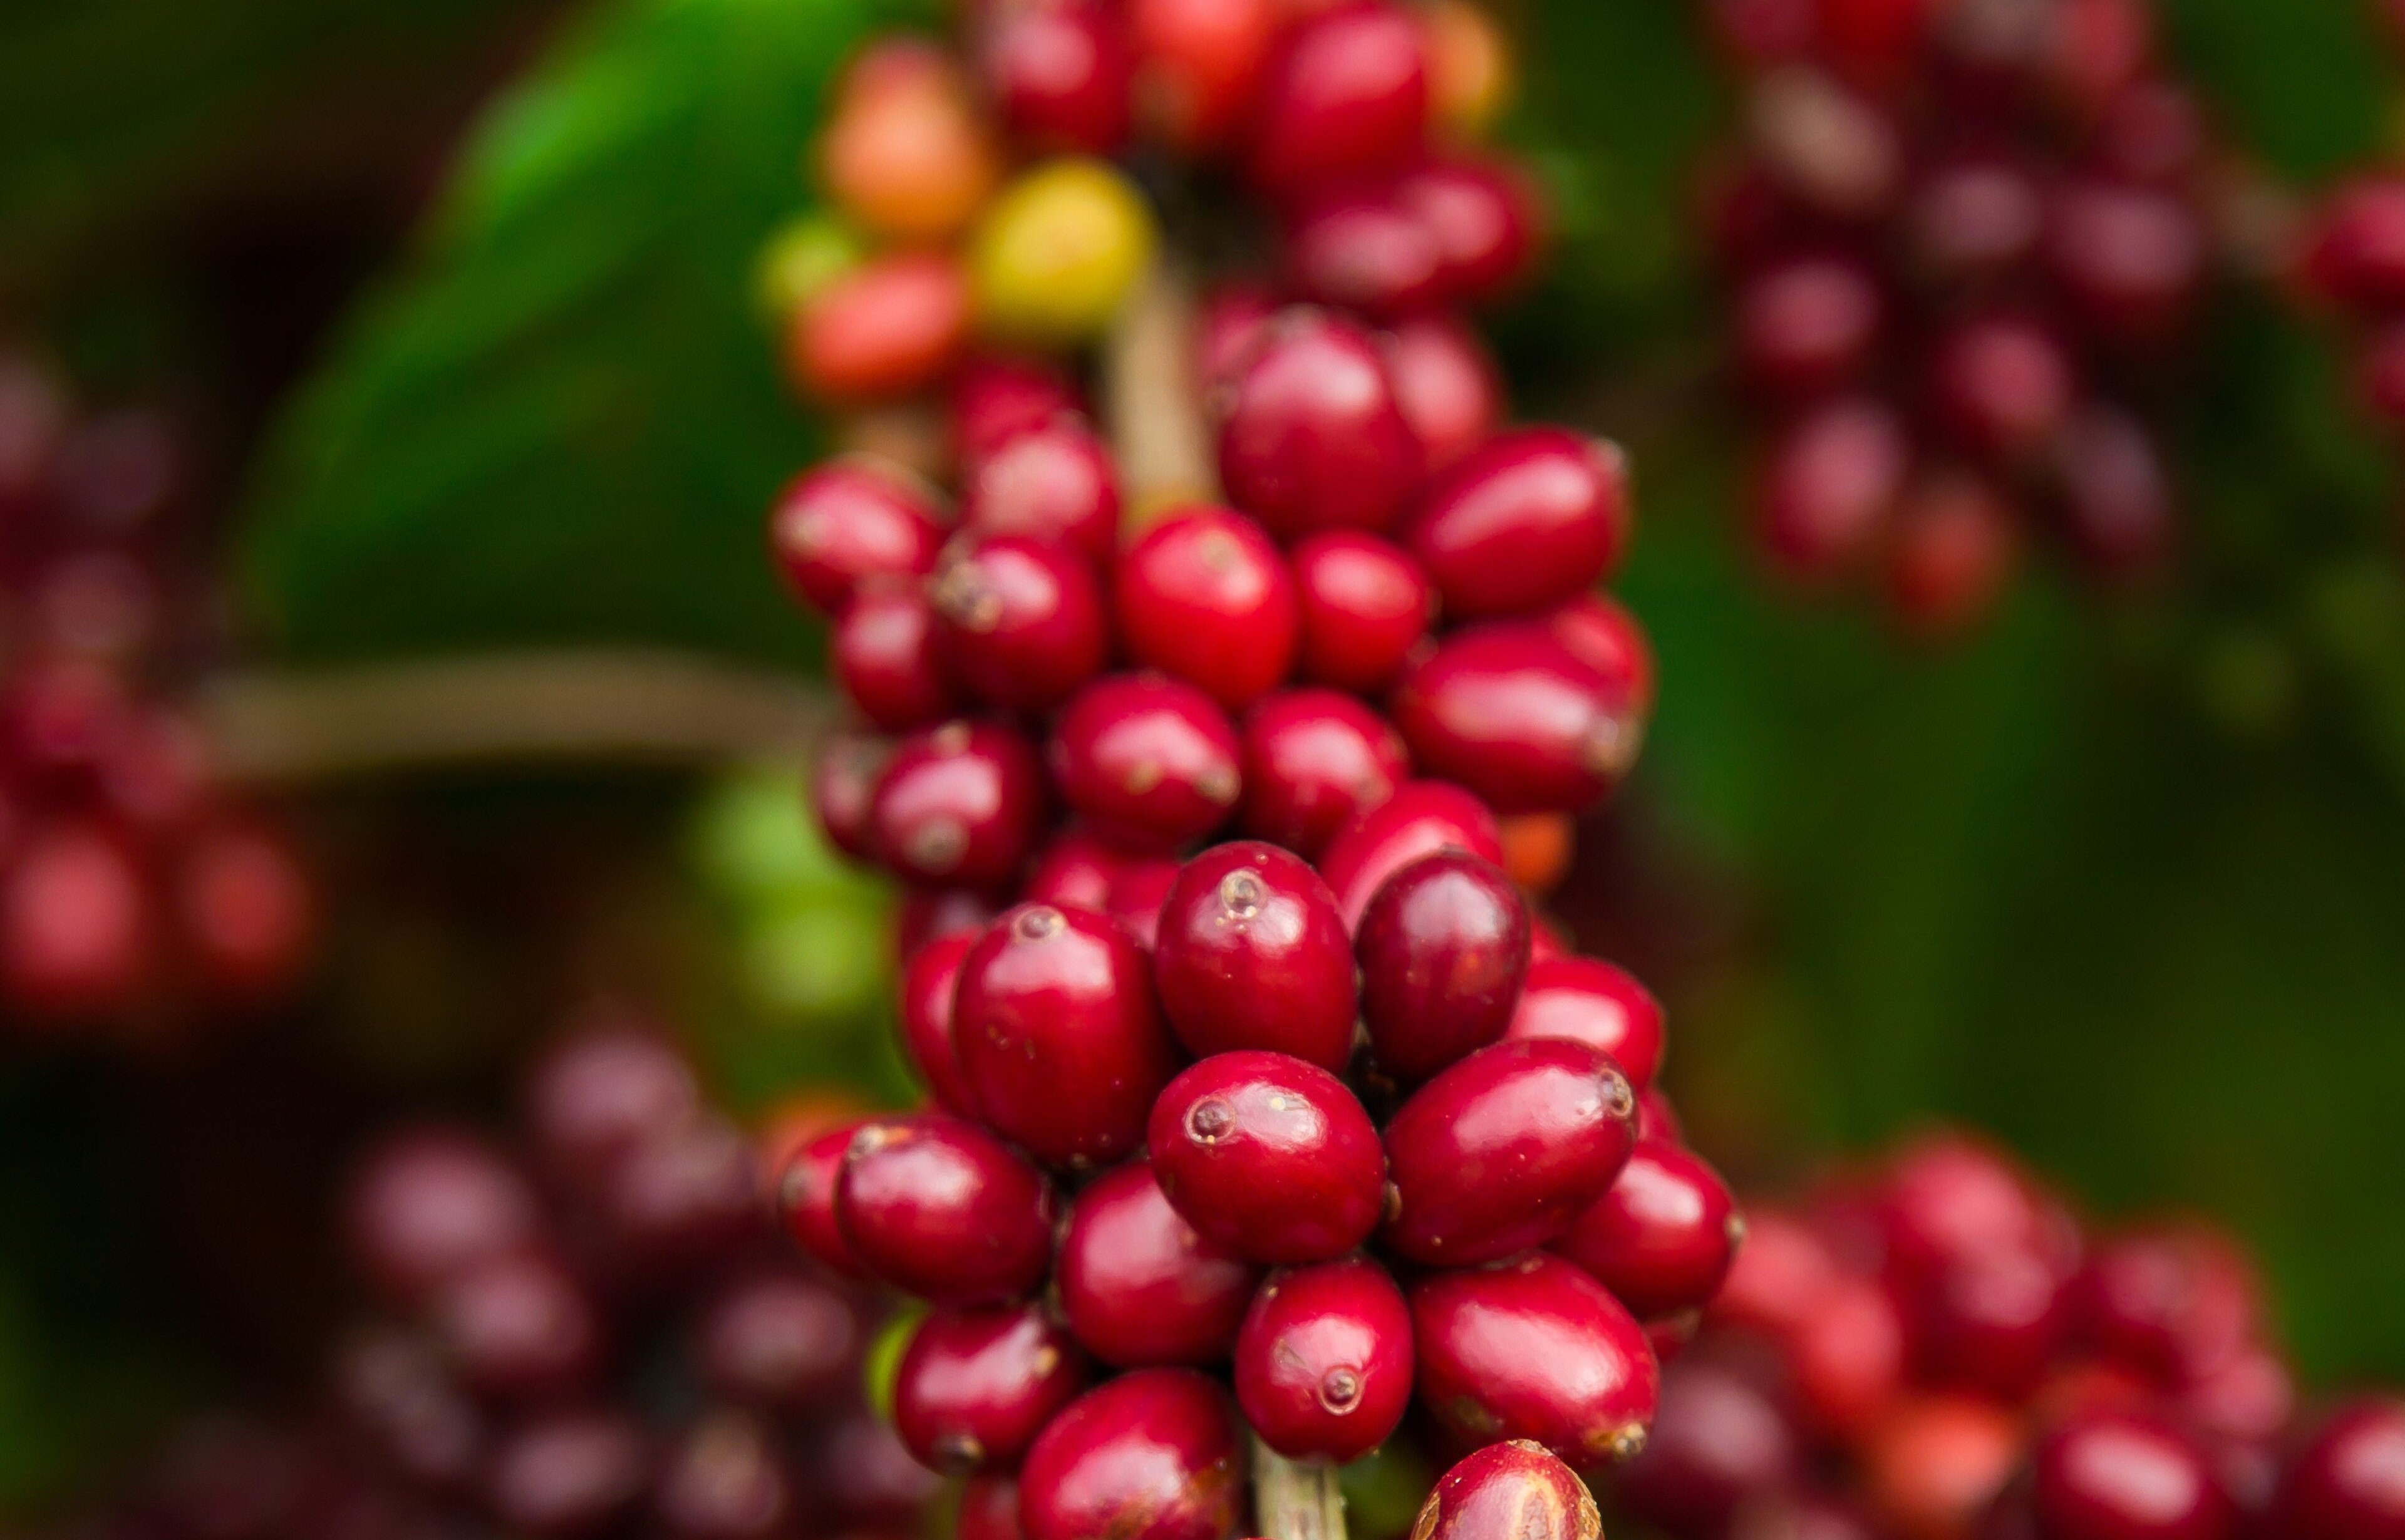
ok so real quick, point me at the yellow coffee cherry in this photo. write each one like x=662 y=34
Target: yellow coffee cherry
x=1469 y=64
x=1059 y=252
x=805 y=255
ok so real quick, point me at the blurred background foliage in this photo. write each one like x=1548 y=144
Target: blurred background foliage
x=2118 y=878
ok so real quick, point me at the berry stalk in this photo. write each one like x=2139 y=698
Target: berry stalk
x=1295 y=1500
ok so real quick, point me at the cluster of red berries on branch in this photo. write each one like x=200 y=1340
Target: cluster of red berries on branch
x=2352 y=261
x=1938 y=1350
x=134 y=890
x=1964 y=239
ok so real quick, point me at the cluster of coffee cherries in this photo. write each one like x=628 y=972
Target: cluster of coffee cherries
x=1937 y=1350
x=133 y=889
x=2351 y=261
x=1962 y=236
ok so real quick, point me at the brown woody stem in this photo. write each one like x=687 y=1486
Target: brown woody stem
x=1151 y=383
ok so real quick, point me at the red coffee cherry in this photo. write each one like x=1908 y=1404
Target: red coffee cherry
x=852 y=519
x=975 y=1386
x=1829 y=485
x=2356 y=255
x=1444 y=947
x=1252 y=954
x=997 y=398
x=1138 y=1285
x=924 y=1021
x=1147 y=760
x=938 y=1208
x=1975 y=222
x=725 y=1479
x=1808 y=326
x=2344 y=1485
x=1199 y=63
x=605 y=1092
x=567 y=1473
x=1512 y=1489
x=890 y=327
x=77 y=931
x=1324 y=1365
x=2113 y=493
x=2167 y=1300
x=1313 y=437
x=1719 y=1442
x=1522 y=523
x=806 y=1198
x=1061 y=75
x=1024 y=621
x=843 y=787
x=2119 y=1474
x=958 y=806
x=931 y=913
x=782 y=1339
x=1485 y=217
x=2131 y=259
x=1347 y=97
x=679 y=1203
x=1206 y=596
x=395 y=1393
x=1235 y=318
x=519 y=1327
x=1591 y=1001
x=1270 y=1156
x=1507 y=710
x=1505 y=1151
x=886 y=658
x=1074 y=870
x=1600 y=633
x=1948 y=1197
x=1991 y=1321
x=1365 y=605
x=1367 y=253
x=1138 y=891
x=1534 y=1349
x=1051 y=481
x=1314 y=760
x=1661 y=1238
x=1656 y=1119
x=1421 y=818
x=989 y=1508
x=2004 y=386
x=1448 y=384
x=1936 y=1464
x=1060 y=1035
x=1148 y=1456
x=247 y=910
x=1847 y=1358
x=1951 y=549
x=428 y=1205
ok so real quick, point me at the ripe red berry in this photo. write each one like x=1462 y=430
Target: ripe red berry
x=1138 y=1285
x=848 y=520
x=939 y=1207
x=1974 y=222
x=1534 y=1349
x=975 y=1386
x=1847 y=1357
x=2356 y=255
x=989 y=1508
x=1656 y=1119
x=1206 y=596
x=1935 y=1464
x=1505 y=1151
x=931 y=913
x=1951 y=549
x=924 y=1021
x=1148 y=1456
x=1270 y=1156
x=1444 y=947
x=2004 y=386
x=567 y=1473
x=1448 y=385
x=843 y=787
x=1347 y=97
x=1147 y=759
x=1367 y=253
x=1199 y=63
x=1251 y=953
x=1421 y=818
x=679 y=1203
x=1060 y=1035
x=431 y=1204
x=1719 y=1442
x=605 y=1092
x=1324 y=1364
x=1235 y=318
x=1024 y=619
x=1524 y=522
x=1989 y=1323
x=888 y=328
x=886 y=658
x=1138 y=889
x=1602 y=634
x=519 y=1327
x=396 y=1394
x=1365 y=605
x=1062 y=74
x=2109 y=1474
x=1314 y=437
x=2131 y=258
x=1514 y=1488
x=1663 y=1237
x=2167 y=1301
x=1054 y=482
x=782 y=1339
x=77 y=932
x=1808 y=326
x=1075 y=870
x=1596 y=1003
x=995 y=398
x=1485 y=217
x=1830 y=484
x=1314 y=760
x=1948 y=1197
x=958 y=806
x=2114 y=493
x=806 y=1197
x=725 y=1479
x=2345 y=1485
x=1506 y=709
x=247 y=910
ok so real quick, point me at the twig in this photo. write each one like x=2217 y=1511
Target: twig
x=1152 y=382
x=1293 y=1500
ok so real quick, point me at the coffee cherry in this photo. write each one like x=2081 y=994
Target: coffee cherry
x=1234 y=320
x=1367 y=253
x=1269 y=1157
x=1950 y=1198
x=601 y=1093
x=1347 y=97
x=1538 y=849
x=806 y=1200
x=247 y=911
x=2126 y=1476
x=1448 y=385
x=1051 y=481
x=2344 y=1485
x=398 y=1395
x=1522 y=523
x=431 y=1205
x=1511 y=1491
x=893 y=326
x=1591 y=1001
x=851 y=519
x=843 y=787
x=1444 y=947
x=679 y=1203
x=1138 y=889
x=1313 y=437
x=1148 y=1456
x=2356 y=255
x=1509 y=712
x=1778 y=1277
x=1974 y=221
x=568 y=1475
x=977 y=1386
x=995 y=397
x=924 y=1021
x=1059 y=252
x=903 y=154
x=1023 y=619
x=1990 y=1322
x=939 y=1207
x=1935 y=1464
x=726 y=1479
x=1505 y=1151
x=1830 y=484
x=957 y=804
x=886 y=658
x=1060 y=1035
x=1534 y=1349
x=1808 y=326
x=2114 y=493
x=989 y=1508
x=931 y=913
x=1147 y=759
x=1252 y=954
x=1656 y=1119
x=1060 y=73
x=2166 y=1301
x=1324 y=1365
x=1952 y=549
x=782 y=1340
x=1197 y=63
x=76 y=934
x=1485 y=217
x=1204 y=596
x=2004 y=386
x=1138 y=1285
x=2130 y=259
x=1365 y=605
x=1847 y=1358
x=519 y=1327
x=866 y=1476
x=1661 y=1238
x=1717 y=1441
x=1314 y=760
x=1421 y=818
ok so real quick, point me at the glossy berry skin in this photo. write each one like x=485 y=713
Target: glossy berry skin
x=1060 y=1036
x=1421 y=818
x=1808 y=326
x=1075 y=870
x=1663 y=1237
x=886 y=660
x=939 y=1207
x=1147 y=759
x=2357 y=255
x=1505 y=1151
x=1138 y=889
x=995 y=397
x=849 y=520
x=2168 y=1301
x=1061 y=74
x=2004 y=386
x=2108 y=1474
x=1269 y=1157
x=843 y=787
x=1848 y=1358
x=1444 y=947
x=1052 y=482
x=76 y=934
x=931 y=913
x=519 y=1327
x=1484 y=218
x=1151 y=1455
x=974 y=1386
x=1198 y=64
x=2349 y=1481
x=1534 y=1349
x=1346 y=98
x=887 y=329
x=1024 y=621
x=1829 y=485
x=1251 y=953
x=1524 y=522
x=1512 y=1491
x=1323 y=1369
x=1365 y=604
x=1313 y=437
x=1591 y=1001
x=1367 y=252
x=806 y=1200
x=1314 y=760
x=1204 y=595
x=958 y=806
x=1506 y=709
x=1138 y=1285
x=924 y=1021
